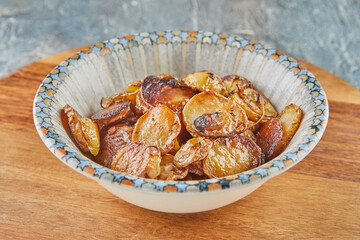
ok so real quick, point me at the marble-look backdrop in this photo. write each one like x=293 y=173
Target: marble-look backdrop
x=325 y=33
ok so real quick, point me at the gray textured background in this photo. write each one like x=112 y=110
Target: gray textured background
x=325 y=33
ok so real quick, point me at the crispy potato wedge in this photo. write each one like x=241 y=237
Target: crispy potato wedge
x=195 y=149
x=137 y=159
x=169 y=171
x=113 y=114
x=209 y=114
x=168 y=91
x=268 y=136
x=255 y=104
x=84 y=131
x=290 y=119
x=231 y=155
x=159 y=127
x=234 y=82
x=205 y=81
x=111 y=141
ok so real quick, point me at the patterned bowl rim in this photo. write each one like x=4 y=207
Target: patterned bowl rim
x=45 y=96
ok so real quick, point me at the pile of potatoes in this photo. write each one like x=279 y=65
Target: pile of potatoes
x=202 y=126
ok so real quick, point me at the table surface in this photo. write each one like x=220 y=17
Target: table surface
x=318 y=198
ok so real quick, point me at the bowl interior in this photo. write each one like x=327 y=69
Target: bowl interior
x=106 y=68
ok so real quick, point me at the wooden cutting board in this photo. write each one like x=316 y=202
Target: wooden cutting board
x=41 y=198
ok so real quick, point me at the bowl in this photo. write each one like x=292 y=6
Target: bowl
x=107 y=67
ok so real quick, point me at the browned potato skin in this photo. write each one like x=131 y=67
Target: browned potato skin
x=83 y=131
x=209 y=102
x=111 y=141
x=134 y=159
x=268 y=136
x=167 y=91
x=160 y=127
x=113 y=114
x=231 y=155
x=205 y=81
x=290 y=119
x=197 y=168
x=170 y=172
x=234 y=82
x=196 y=149
x=251 y=101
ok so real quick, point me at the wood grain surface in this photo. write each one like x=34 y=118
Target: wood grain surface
x=41 y=198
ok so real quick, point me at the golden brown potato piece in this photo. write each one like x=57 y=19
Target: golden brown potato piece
x=83 y=131
x=159 y=127
x=231 y=155
x=168 y=91
x=249 y=134
x=209 y=114
x=169 y=171
x=133 y=87
x=268 y=136
x=290 y=119
x=193 y=150
x=234 y=82
x=111 y=141
x=254 y=102
x=197 y=168
x=137 y=159
x=205 y=81
x=114 y=113
x=119 y=97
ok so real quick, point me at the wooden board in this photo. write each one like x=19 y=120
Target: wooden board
x=41 y=198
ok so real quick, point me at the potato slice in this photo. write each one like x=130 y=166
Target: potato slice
x=205 y=81
x=268 y=136
x=169 y=171
x=197 y=168
x=113 y=114
x=231 y=155
x=111 y=141
x=290 y=119
x=159 y=127
x=209 y=114
x=234 y=82
x=84 y=131
x=254 y=103
x=195 y=149
x=169 y=92
x=137 y=159
x=133 y=86
x=119 y=97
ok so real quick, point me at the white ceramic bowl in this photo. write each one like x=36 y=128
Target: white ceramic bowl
x=106 y=68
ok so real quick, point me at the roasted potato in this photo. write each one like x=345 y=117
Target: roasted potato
x=209 y=114
x=255 y=104
x=168 y=171
x=249 y=134
x=113 y=114
x=159 y=127
x=290 y=119
x=83 y=130
x=234 y=82
x=133 y=87
x=197 y=168
x=231 y=155
x=205 y=81
x=167 y=91
x=111 y=141
x=268 y=136
x=137 y=159
x=196 y=149
x=119 y=97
